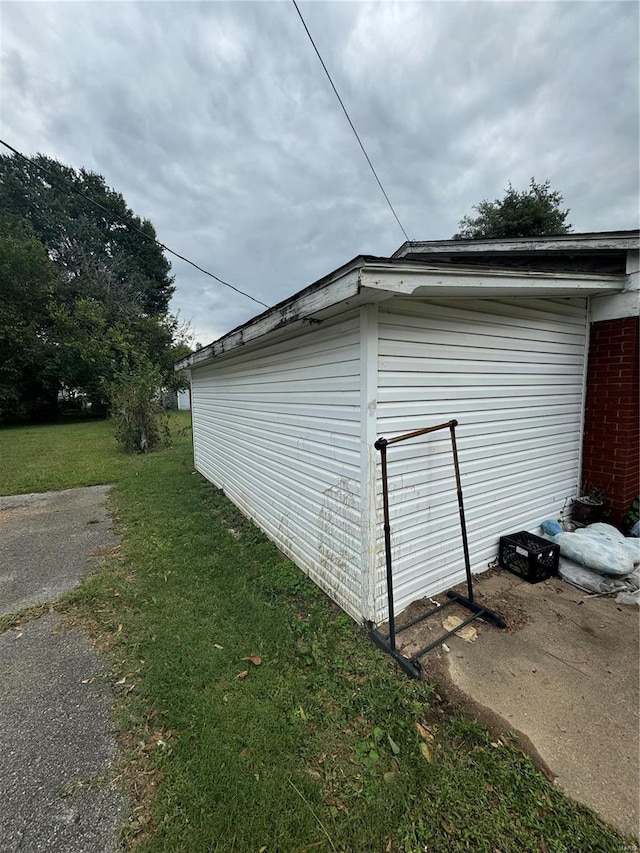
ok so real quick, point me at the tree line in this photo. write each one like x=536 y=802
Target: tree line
x=84 y=291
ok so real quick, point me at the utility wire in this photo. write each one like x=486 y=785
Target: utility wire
x=344 y=110
x=128 y=224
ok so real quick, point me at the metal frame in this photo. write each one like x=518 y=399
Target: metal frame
x=388 y=643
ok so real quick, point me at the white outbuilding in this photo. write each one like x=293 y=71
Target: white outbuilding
x=184 y=399
x=494 y=334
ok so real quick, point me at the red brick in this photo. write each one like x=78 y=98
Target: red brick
x=611 y=447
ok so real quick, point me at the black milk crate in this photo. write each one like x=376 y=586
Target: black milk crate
x=531 y=557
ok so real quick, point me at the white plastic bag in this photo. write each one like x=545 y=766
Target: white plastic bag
x=630 y=596
x=589 y=580
x=595 y=552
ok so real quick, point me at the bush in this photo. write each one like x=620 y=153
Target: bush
x=141 y=424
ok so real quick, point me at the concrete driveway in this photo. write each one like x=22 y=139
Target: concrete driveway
x=56 y=743
x=565 y=675
x=48 y=543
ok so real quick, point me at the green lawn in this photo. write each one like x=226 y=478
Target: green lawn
x=58 y=456
x=314 y=747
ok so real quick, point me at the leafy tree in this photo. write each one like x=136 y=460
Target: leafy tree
x=27 y=284
x=107 y=292
x=181 y=349
x=91 y=346
x=531 y=213
x=97 y=249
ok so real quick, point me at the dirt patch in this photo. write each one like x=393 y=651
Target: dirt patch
x=103 y=552
x=494 y=592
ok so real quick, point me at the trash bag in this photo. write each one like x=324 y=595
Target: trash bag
x=589 y=580
x=633 y=581
x=612 y=534
x=629 y=596
x=596 y=551
x=551 y=527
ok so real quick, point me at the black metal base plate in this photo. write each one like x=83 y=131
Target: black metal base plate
x=482 y=611
x=412 y=665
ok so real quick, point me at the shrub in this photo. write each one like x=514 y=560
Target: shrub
x=141 y=424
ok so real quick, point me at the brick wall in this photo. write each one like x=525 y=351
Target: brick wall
x=611 y=451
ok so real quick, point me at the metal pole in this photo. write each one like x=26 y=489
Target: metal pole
x=381 y=445
x=412 y=665
x=463 y=525
x=417 y=432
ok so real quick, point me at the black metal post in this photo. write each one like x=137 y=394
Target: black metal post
x=463 y=524
x=381 y=445
x=478 y=611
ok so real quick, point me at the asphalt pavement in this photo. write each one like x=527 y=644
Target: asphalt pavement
x=48 y=543
x=56 y=741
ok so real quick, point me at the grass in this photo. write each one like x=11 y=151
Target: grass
x=312 y=747
x=49 y=457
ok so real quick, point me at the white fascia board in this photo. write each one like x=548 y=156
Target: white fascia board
x=620 y=305
x=305 y=307
x=472 y=281
x=567 y=243
x=372 y=282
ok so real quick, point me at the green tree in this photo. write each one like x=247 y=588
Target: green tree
x=98 y=250
x=535 y=212
x=28 y=381
x=91 y=346
x=109 y=288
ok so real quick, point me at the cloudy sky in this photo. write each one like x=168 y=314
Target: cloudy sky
x=216 y=122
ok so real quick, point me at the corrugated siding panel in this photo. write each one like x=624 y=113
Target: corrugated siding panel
x=278 y=428
x=511 y=372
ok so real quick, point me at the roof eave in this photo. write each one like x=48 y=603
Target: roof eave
x=421 y=280
x=596 y=241
x=374 y=279
x=340 y=285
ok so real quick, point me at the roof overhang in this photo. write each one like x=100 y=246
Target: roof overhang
x=367 y=279
x=419 y=279
x=308 y=306
x=590 y=242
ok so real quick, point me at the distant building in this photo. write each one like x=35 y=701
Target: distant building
x=184 y=399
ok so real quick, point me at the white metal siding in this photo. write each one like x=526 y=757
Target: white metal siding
x=278 y=428
x=511 y=372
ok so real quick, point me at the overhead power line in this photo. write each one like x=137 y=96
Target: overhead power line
x=128 y=224
x=355 y=132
